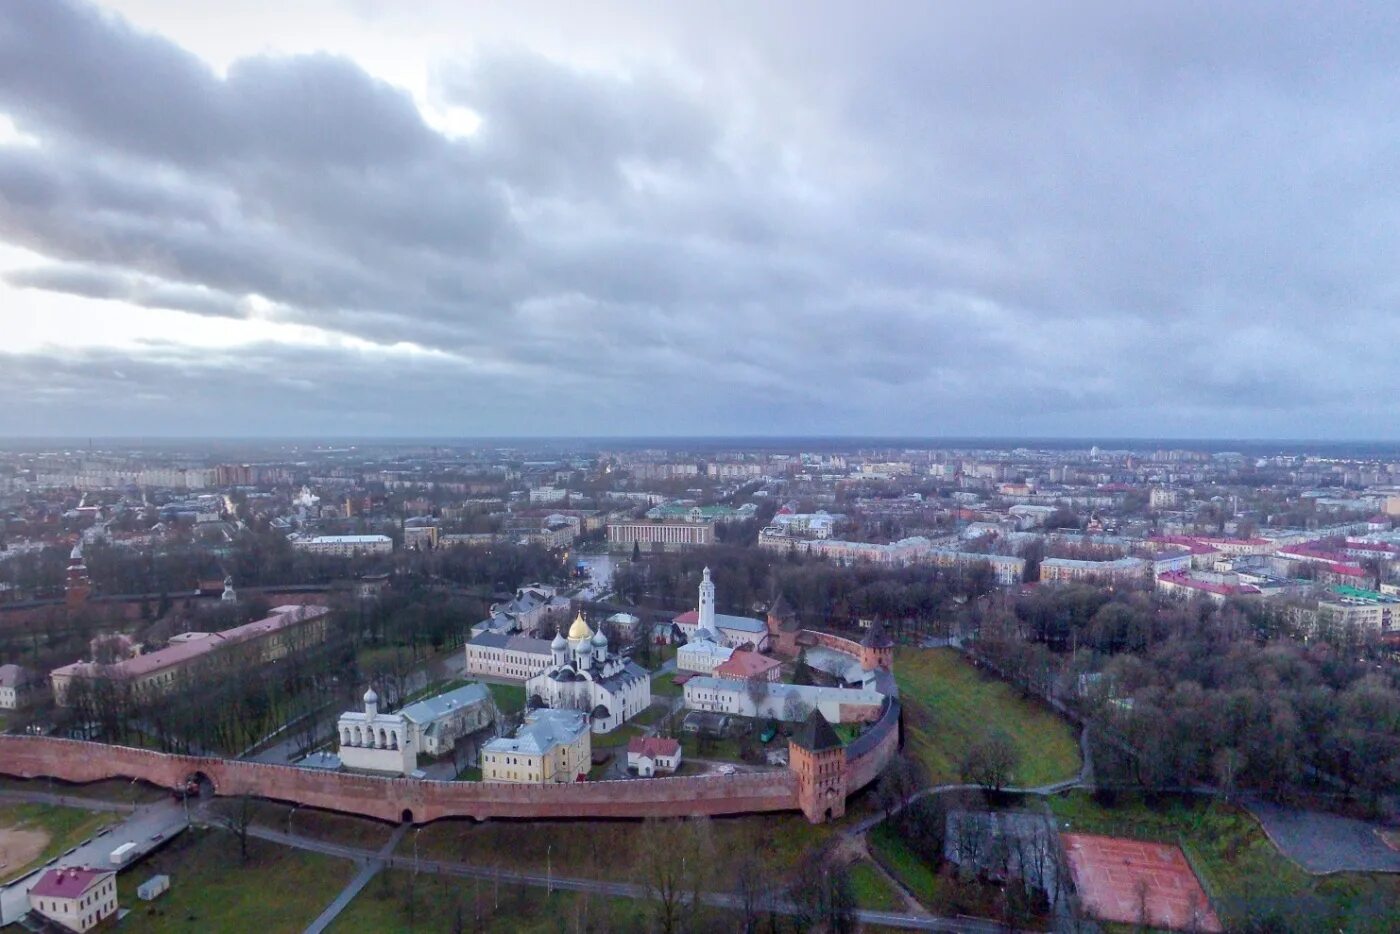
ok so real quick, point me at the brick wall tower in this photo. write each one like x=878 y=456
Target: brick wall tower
x=877 y=648
x=77 y=587
x=817 y=756
x=783 y=627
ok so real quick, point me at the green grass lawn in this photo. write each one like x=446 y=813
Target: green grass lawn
x=442 y=904
x=318 y=824
x=605 y=848
x=66 y=827
x=471 y=773
x=279 y=889
x=121 y=790
x=618 y=737
x=948 y=705
x=509 y=697
x=872 y=889
x=1243 y=872
x=650 y=715
x=726 y=749
x=906 y=865
x=666 y=686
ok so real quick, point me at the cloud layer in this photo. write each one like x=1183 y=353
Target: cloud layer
x=1119 y=220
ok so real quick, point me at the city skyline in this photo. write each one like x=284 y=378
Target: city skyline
x=356 y=220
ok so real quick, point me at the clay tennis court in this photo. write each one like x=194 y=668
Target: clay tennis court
x=1108 y=872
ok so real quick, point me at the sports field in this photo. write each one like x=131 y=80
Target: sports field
x=1135 y=882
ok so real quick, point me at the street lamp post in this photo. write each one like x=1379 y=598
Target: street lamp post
x=289 y=818
x=549 y=868
x=416 y=831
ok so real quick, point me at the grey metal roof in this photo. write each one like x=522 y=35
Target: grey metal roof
x=433 y=708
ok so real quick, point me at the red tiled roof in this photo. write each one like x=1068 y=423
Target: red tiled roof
x=744 y=665
x=653 y=746
x=1184 y=579
x=687 y=618
x=181 y=652
x=68 y=883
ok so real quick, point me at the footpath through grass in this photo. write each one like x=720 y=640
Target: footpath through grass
x=64 y=827
x=1251 y=884
x=871 y=889
x=397 y=901
x=278 y=889
x=606 y=849
x=949 y=705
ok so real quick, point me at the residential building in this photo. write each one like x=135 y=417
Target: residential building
x=647 y=755
x=76 y=898
x=288 y=629
x=344 y=546
x=19 y=686
x=1217 y=588
x=420 y=537
x=746 y=665
x=1365 y=610
x=1119 y=570
x=550 y=746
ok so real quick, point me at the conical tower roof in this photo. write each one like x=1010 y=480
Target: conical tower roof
x=815 y=734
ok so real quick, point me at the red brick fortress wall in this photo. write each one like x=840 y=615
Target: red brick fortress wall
x=388 y=798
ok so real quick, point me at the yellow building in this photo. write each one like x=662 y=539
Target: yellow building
x=550 y=746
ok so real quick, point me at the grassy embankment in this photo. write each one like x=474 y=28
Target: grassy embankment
x=949 y=705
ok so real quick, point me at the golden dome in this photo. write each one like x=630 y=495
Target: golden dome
x=579 y=630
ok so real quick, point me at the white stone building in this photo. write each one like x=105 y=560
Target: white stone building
x=583 y=675
x=374 y=741
x=75 y=898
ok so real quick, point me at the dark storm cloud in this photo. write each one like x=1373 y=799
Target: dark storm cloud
x=1120 y=218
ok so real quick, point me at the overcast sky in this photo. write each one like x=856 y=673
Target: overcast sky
x=370 y=217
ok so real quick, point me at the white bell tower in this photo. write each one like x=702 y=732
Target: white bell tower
x=707 y=602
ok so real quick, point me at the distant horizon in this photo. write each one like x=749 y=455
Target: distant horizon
x=1071 y=442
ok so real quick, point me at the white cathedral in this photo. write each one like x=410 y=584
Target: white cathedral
x=584 y=675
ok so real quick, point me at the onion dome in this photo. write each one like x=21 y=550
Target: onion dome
x=559 y=643
x=600 y=640
x=579 y=630
x=371 y=697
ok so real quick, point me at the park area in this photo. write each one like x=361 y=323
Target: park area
x=949 y=705
x=396 y=900
x=278 y=889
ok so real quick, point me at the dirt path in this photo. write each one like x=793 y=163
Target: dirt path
x=19 y=848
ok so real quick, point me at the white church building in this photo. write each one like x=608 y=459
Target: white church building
x=584 y=675
x=374 y=741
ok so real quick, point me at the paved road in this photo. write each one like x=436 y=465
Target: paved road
x=368 y=870
x=1322 y=842
x=164 y=818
